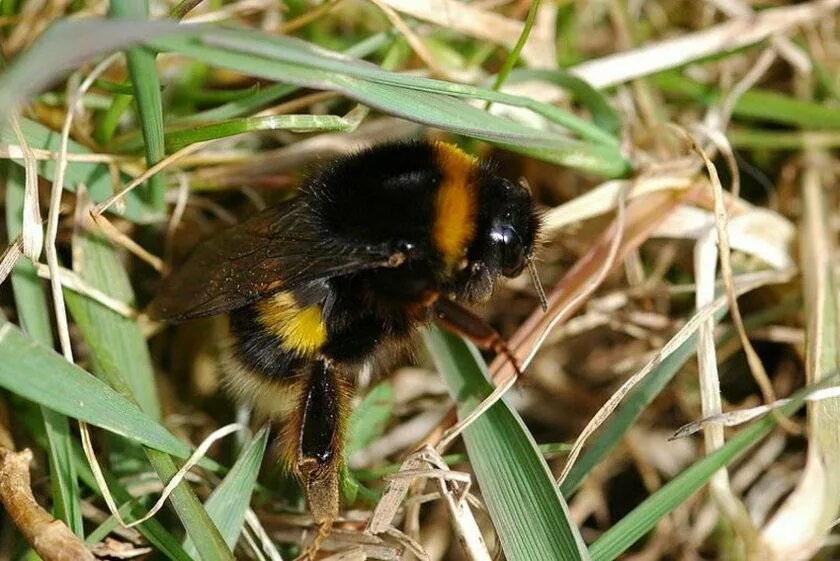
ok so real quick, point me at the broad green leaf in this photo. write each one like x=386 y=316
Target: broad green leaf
x=229 y=502
x=39 y=374
x=34 y=317
x=528 y=512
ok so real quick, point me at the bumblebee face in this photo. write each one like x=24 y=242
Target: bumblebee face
x=504 y=239
x=513 y=228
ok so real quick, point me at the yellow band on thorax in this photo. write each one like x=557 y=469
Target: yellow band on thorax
x=453 y=225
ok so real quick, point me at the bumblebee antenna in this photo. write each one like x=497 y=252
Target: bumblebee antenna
x=532 y=270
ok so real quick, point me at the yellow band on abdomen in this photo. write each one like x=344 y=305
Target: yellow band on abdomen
x=301 y=330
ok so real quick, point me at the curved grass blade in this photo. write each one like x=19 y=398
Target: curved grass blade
x=49 y=58
x=514 y=479
x=229 y=502
x=647 y=390
x=297 y=52
x=275 y=92
x=623 y=418
x=151 y=529
x=603 y=114
x=39 y=374
x=422 y=106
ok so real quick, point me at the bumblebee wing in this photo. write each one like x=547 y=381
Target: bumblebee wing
x=279 y=248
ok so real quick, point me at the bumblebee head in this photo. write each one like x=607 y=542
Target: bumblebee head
x=507 y=225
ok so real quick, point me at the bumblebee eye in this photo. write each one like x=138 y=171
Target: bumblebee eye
x=511 y=250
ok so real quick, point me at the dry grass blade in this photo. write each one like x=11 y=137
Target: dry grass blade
x=411 y=38
x=671 y=53
x=741 y=416
x=199 y=453
x=705 y=267
x=33 y=227
x=10 y=258
x=721 y=220
x=484 y=24
x=744 y=284
x=799 y=527
x=69 y=279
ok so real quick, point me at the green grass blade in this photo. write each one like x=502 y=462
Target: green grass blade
x=38 y=373
x=108 y=123
x=603 y=113
x=151 y=529
x=229 y=502
x=761 y=105
x=434 y=109
x=49 y=58
x=176 y=140
x=514 y=479
x=96 y=177
x=368 y=420
x=275 y=92
x=116 y=350
x=34 y=317
x=767 y=139
x=419 y=99
x=513 y=56
x=644 y=517
x=146 y=84
x=296 y=52
x=118 y=340
x=614 y=429
x=209 y=542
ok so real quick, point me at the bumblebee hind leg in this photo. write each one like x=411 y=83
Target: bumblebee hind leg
x=312 y=443
x=309 y=406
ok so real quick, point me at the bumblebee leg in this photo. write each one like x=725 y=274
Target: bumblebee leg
x=320 y=445
x=463 y=322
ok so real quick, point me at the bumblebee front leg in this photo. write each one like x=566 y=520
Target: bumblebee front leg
x=461 y=321
x=313 y=443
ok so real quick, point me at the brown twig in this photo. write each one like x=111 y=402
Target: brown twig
x=50 y=538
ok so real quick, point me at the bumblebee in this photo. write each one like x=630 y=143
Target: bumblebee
x=374 y=245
